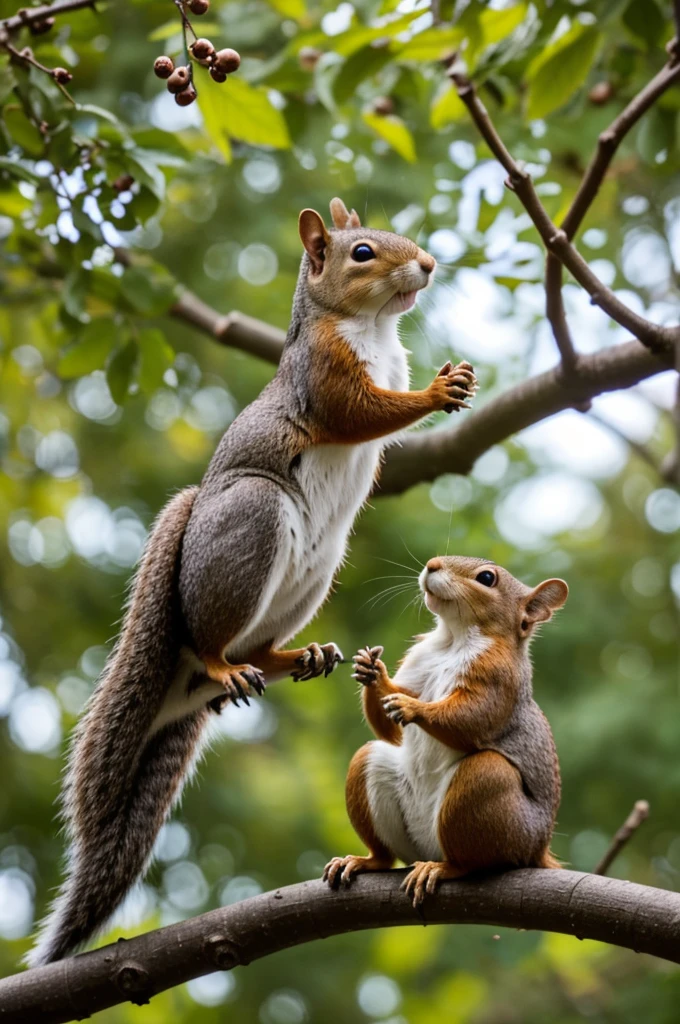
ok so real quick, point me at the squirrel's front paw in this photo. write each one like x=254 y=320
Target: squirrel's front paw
x=317 y=660
x=401 y=708
x=454 y=387
x=368 y=668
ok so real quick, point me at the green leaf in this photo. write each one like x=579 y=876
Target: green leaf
x=432 y=44
x=289 y=8
x=23 y=131
x=91 y=351
x=657 y=134
x=82 y=223
x=241 y=111
x=19 y=169
x=644 y=19
x=556 y=74
x=147 y=291
x=173 y=28
x=145 y=170
x=74 y=292
x=360 y=66
x=447 y=107
x=156 y=356
x=395 y=133
x=7 y=82
x=497 y=25
x=120 y=371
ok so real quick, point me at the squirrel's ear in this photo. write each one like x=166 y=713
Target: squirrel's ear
x=314 y=237
x=342 y=218
x=542 y=601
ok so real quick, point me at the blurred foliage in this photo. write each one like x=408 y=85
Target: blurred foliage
x=107 y=405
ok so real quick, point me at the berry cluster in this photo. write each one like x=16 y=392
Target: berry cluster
x=221 y=63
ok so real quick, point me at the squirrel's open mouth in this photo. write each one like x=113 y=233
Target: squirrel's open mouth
x=400 y=303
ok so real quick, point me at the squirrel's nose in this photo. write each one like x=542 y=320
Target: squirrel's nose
x=434 y=564
x=427 y=262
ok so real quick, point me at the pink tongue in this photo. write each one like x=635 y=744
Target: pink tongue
x=408 y=299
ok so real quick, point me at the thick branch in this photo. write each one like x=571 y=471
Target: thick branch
x=637 y=917
x=428 y=453
x=556 y=240
x=29 y=15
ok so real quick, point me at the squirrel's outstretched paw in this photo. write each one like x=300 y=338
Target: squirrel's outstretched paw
x=456 y=386
x=368 y=666
x=317 y=660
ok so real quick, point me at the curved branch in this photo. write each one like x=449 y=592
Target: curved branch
x=556 y=240
x=637 y=917
x=428 y=453
x=607 y=145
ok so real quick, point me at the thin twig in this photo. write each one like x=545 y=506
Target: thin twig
x=632 y=823
x=652 y=335
x=29 y=15
x=607 y=145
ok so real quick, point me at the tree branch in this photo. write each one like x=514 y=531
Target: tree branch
x=632 y=823
x=29 y=15
x=234 y=329
x=607 y=145
x=658 y=338
x=428 y=453
x=637 y=917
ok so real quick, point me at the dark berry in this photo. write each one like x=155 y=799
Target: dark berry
x=203 y=49
x=61 y=75
x=199 y=6
x=187 y=96
x=227 y=61
x=308 y=57
x=179 y=79
x=123 y=183
x=217 y=76
x=163 y=67
x=383 y=105
x=600 y=93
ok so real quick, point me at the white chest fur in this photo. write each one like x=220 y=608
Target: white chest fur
x=335 y=481
x=433 y=668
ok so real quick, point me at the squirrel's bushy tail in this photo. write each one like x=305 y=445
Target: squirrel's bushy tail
x=121 y=781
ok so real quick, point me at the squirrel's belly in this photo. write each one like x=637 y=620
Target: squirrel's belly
x=428 y=768
x=405 y=795
x=335 y=481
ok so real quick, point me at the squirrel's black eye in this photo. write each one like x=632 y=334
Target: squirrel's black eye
x=363 y=253
x=487 y=578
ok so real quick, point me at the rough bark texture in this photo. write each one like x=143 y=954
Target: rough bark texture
x=638 y=917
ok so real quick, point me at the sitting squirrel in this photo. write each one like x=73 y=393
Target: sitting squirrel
x=474 y=782
x=234 y=568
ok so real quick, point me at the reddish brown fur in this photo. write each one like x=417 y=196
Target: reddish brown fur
x=348 y=407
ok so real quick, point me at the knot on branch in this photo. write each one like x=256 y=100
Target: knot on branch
x=607 y=139
x=558 y=240
x=134 y=982
x=222 y=952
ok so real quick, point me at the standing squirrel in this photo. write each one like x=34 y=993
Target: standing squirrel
x=236 y=567
x=474 y=781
